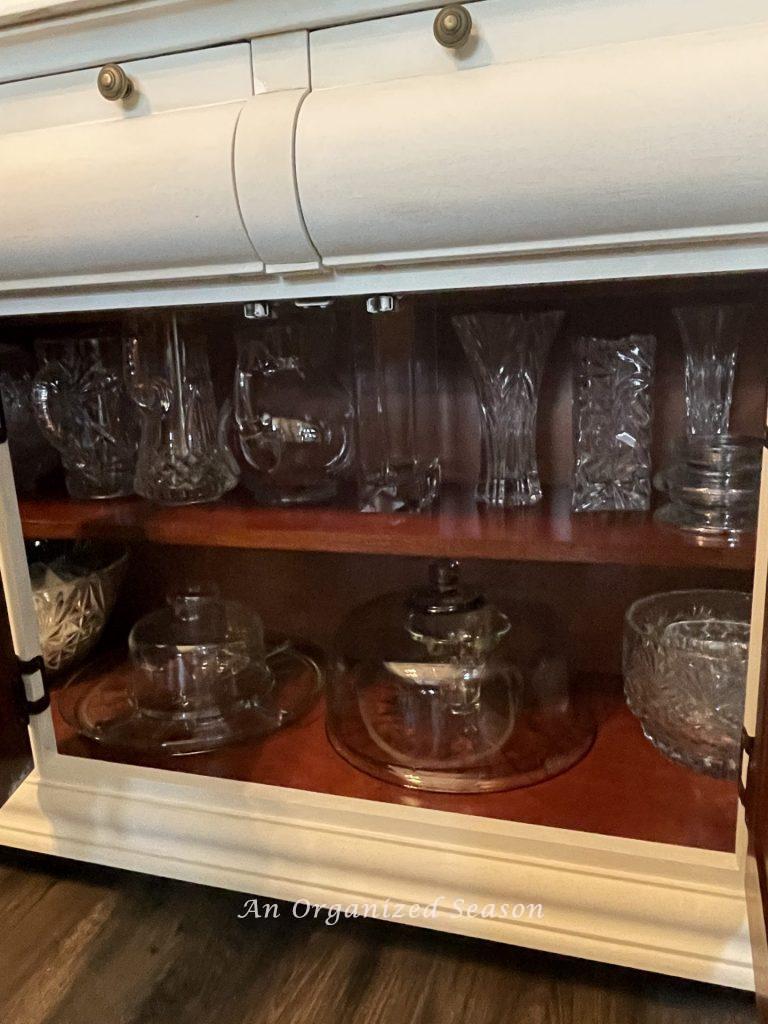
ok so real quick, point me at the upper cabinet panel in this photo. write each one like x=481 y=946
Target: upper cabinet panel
x=97 y=190
x=550 y=132
x=187 y=179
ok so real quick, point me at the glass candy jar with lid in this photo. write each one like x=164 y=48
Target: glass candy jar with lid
x=438 y=689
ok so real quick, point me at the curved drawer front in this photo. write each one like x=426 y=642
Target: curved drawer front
x=123 y=200
x=629 y=144
x=266 y=182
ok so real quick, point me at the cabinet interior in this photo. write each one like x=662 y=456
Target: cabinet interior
x=304 y=569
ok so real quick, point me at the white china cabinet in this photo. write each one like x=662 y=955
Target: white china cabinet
x=197 y=154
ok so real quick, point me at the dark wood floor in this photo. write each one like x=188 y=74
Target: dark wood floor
x=87 y=945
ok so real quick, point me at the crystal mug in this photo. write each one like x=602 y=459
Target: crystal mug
x=83 y=409
x=182 y=458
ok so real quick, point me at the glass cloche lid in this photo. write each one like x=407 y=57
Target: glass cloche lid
x=440 y=688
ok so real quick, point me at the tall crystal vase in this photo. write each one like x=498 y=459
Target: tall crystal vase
x=711 y=336
x=506 y=353
x=395 y=377
x=612 y=423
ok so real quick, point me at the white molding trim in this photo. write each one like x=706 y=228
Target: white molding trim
x=559 y=265
x=662 y=908
x=34 y=41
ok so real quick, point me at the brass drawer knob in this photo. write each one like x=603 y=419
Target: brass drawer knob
x=453 y=25
x=113 y=82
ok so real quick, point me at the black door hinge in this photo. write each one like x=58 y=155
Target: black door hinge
x=747 y=749
x=3 y=426
x=27 y=668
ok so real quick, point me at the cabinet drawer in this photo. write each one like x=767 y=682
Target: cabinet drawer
x=160 y=84
x=145 y=189
x=583 y=133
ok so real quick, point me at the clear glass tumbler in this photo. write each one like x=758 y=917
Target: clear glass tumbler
x=84 y=410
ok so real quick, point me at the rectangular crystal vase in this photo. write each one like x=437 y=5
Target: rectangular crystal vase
x=612 y=423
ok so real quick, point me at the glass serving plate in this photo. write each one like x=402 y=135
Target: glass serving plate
x=201 y=675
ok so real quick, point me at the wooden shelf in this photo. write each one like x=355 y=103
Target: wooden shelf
x=457 y=529
x=622 y=787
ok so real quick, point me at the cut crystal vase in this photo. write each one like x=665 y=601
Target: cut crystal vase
x=612 y=423
x=711 y=336
x=506 y=353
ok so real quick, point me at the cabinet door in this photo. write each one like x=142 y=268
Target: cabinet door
x=755 y=796
x=15 y=749
x=566 y=137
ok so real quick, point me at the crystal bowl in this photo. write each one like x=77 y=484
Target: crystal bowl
x=74 y=589
x=685 y=663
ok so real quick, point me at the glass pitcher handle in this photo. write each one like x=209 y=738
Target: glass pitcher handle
x=150 y=393
x=47 y=404
x=225 y=425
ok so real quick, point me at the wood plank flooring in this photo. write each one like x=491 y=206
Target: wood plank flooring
x=88 y=945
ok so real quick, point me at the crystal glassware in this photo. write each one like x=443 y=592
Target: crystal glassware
x=711 y=335
x=83 y=408
x=395 y=374
x=612 y=423
x=506 y=353
x=292 y=415
x=32 y=457
x=74 y=589
x=201 y=676
x=182 y=458
x=439 y=689
x=713 y=487
x=685 y=663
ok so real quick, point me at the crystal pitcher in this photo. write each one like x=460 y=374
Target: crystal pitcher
x=83 y=408
x=182 y=459
x=292 y=415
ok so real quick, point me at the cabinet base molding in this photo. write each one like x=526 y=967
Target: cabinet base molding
x=641 y=905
